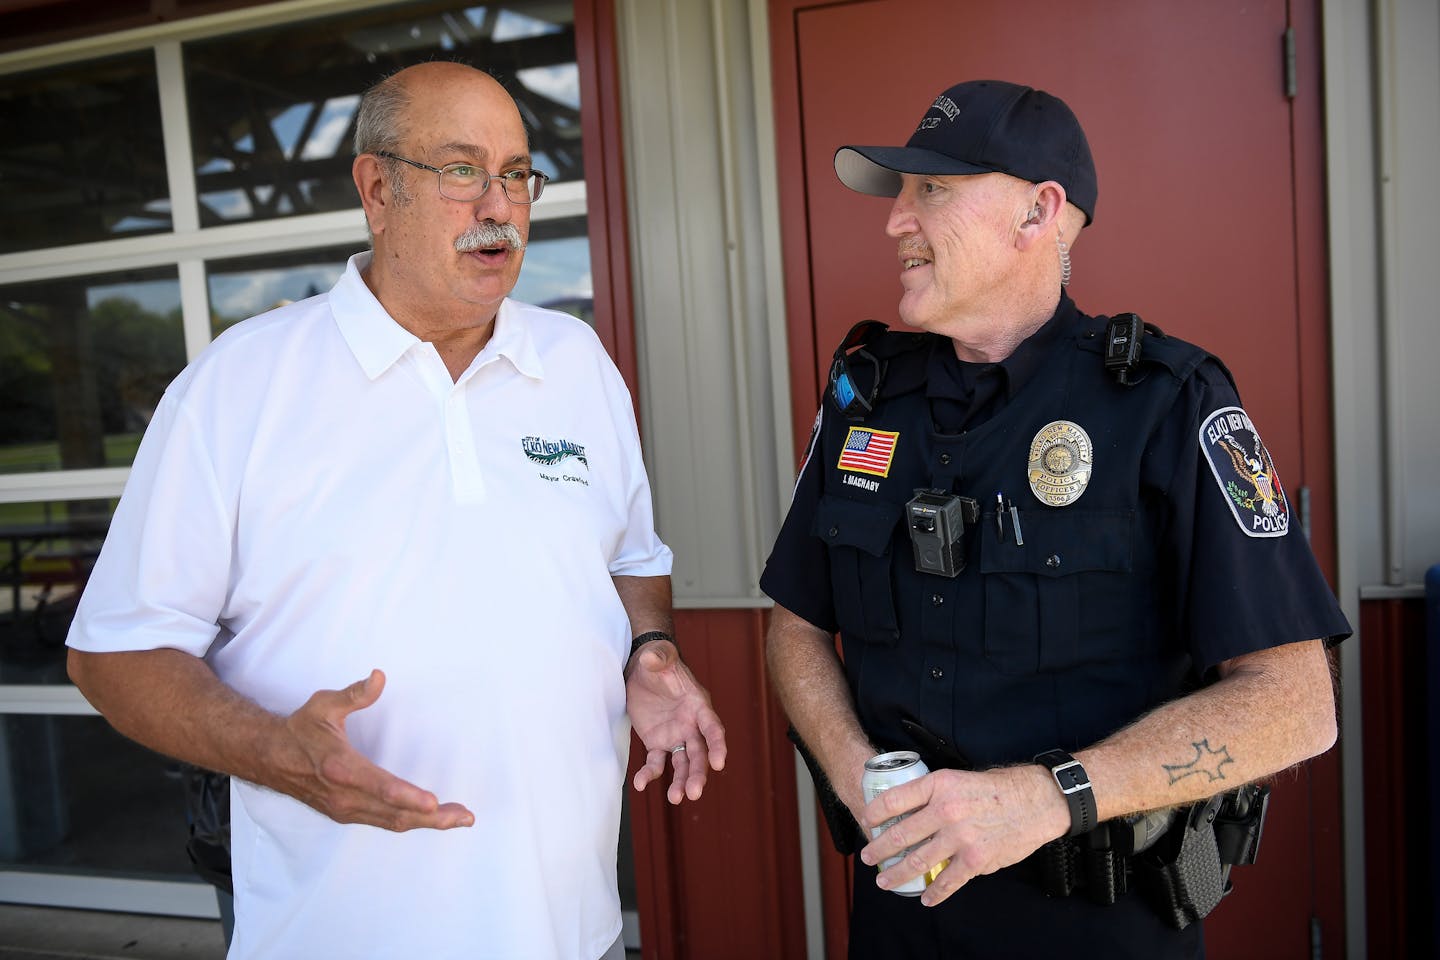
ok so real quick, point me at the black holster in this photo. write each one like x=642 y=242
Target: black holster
x=1187 y=873
x=845 y=832
x=1179 y=859
x=207 y=812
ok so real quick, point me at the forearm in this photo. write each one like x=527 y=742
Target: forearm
x=810 y=680
x=1269 y=711
x=647 y=603
x=173 y=703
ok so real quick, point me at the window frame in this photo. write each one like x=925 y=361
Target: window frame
x=600 y=198
x=187 y=245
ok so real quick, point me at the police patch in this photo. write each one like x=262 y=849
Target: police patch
x=809 y=450
x=1245 y=473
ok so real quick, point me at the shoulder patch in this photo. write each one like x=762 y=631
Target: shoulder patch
x=1245 y=473
x=809 y=450
x=868 y=451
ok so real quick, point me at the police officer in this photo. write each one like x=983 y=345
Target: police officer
x=1058 y=556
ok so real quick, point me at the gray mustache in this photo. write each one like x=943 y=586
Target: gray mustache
x=488 y=234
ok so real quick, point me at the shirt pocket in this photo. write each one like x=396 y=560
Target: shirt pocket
x=858 y=536
x=1063 y=597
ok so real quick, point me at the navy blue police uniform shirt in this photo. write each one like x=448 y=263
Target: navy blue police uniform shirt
x=1182 y=551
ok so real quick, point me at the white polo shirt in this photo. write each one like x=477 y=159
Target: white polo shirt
x=315 y=498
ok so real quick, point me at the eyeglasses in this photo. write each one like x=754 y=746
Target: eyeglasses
x=465 y=181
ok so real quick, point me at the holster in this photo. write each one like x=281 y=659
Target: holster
x=207 y=812
x=1179 y=859
x=1181 y=876
x=1187 y=873
x=845 y=832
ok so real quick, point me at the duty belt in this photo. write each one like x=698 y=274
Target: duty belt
x=1179 y=859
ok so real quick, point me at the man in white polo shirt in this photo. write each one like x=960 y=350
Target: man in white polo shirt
x=382 y=557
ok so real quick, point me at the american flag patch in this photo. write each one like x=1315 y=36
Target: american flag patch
x=868 y=451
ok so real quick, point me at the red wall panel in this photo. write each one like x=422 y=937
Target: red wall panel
x=1398 y=813
x=720 y=878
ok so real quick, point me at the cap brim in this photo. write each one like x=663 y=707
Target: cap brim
x=876 y=170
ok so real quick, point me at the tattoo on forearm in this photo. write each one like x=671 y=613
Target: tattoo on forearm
x=1209 y=761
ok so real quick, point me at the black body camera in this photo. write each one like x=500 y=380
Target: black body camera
x=936 y=521
x=1122 y=345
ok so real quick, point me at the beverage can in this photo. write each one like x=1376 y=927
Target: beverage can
x=882 y=773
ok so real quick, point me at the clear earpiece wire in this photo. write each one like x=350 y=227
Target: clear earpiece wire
x=1064 y=249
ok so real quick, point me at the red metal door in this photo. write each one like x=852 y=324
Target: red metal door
x=1209 y=223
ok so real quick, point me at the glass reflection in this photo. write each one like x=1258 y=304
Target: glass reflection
x=272 y=111
x=83 y=363
x=47 y=550
x=247 y=286
x=85 y=798
x=556 y=274
x=82 y=158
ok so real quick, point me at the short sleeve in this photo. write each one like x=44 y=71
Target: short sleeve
x=164 y=569
x=797 y=573
x=1244 y=574
x=640 y=551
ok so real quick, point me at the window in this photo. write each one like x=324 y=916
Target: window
x=86 y=358
x=82 y=158
x=155 y=194
x=272 y=111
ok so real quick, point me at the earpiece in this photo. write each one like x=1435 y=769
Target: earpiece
x=1035 y=215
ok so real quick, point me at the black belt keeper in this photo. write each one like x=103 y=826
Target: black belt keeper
x=1104 y=875
x=1099 y=863
x=1058 y=863
x=1084 y=864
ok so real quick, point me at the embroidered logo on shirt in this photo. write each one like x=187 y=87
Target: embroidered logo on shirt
x=868 y=451
x=1245 y=473
x=551 y=453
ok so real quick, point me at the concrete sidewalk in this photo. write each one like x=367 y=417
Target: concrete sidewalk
x=50 y=933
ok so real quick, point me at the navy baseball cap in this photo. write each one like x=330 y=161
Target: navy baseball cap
x=983 y=126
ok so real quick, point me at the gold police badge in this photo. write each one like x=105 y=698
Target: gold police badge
x=1061 y=457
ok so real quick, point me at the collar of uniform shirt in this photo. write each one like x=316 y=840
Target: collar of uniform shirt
x=977 y=386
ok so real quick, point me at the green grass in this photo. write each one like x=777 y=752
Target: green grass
x=37 y=457
x=41 y=458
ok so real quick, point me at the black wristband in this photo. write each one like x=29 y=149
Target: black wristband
x=645 y=638
x=1074 y=783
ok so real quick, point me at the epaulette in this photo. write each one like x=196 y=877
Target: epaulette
x=1128 y=346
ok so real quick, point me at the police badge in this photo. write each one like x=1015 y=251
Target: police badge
x=1242 y=467
x=1061 y=457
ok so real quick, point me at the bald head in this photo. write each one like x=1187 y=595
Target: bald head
x=383 y=119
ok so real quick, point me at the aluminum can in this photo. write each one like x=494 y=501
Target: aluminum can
x=881 y=773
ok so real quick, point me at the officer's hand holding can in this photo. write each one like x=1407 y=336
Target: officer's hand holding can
x=881 y=773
